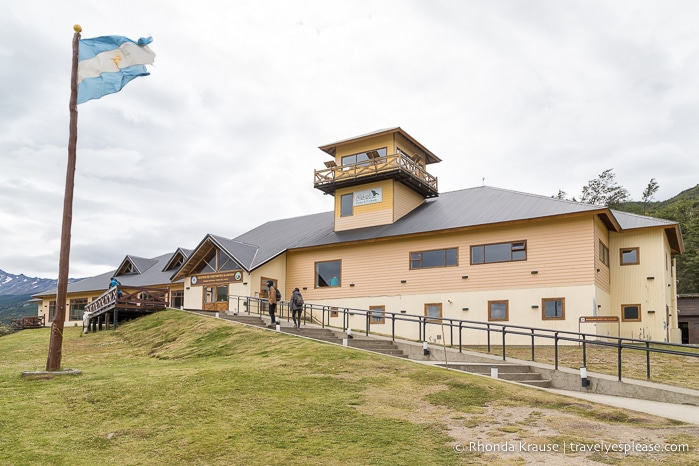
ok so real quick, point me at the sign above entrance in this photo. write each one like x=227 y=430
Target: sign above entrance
x=369 y=196
x=217 y=278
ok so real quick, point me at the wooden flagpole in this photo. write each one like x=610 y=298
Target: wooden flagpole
x=53 y=362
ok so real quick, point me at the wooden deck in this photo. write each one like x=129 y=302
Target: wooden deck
x=27 y=322
x=398 y=166
x=124 y=302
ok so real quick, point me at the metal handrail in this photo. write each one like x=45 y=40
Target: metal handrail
x=583 y=339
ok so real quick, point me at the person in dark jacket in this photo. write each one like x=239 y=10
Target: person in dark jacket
x=296 y=305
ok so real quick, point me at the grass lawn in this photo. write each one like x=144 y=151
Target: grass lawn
x=180 y=389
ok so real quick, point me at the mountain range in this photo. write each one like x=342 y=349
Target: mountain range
x=16 y=293
x=14 y=285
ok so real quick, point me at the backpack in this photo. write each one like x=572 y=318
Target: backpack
x=279 y=294
x=298 y=300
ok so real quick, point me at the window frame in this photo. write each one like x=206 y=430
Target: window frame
x=623 y=312
x=512 y=251
x=316 y=284
x=76 y=304
x=349 y=196
x=543 y=309
x=429 y=318
x=507 y=310
x=381 y=310
x=421 y=253
x=603 y=253
x=637 y=251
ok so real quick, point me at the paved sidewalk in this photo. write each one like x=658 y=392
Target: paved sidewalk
x=678 y=412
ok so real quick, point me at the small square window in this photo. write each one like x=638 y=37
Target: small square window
x=433 y=312
x=553 y=308
x=631 y=312
x=629 y=256
x=378 y=314
x=498 y=310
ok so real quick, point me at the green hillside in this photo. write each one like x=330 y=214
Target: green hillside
x=180 y=389
x=683 y=208
x=15 y=306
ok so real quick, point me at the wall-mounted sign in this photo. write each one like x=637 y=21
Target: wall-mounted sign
x=369 y=196
x=217 y=278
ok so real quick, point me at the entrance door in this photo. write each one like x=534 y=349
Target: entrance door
x=215 y=298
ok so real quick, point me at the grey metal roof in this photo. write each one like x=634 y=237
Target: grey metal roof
x=465 y=208
x=153 y=275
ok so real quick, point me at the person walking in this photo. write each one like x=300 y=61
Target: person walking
x=272 y=300
x=296 y=304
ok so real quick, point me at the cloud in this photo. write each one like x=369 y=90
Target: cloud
x=223 y=136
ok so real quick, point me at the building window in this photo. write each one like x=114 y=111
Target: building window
x=346 y=208
x=328 y=274
x=553 y=308
x=629 y=256
x=501 y=252
x=378 y=314
x=631 y=312
x=603 y=253
x=177 y=299
x=498 y=310
x=435 y=258
x=433 y=312
x=77 y=308
x=363 y=156
x=52 y=310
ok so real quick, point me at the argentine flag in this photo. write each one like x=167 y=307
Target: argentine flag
x=107 y=63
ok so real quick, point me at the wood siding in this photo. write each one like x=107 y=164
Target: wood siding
x=561 y=252
x=405 y=200
x=368 y=215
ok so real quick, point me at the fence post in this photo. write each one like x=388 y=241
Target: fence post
x=503 y=341
x=619 y=360
x=532 y=330
x=584 y=351
x=488 y=333
x=393 y=327
x=648 y=360
x=555 y=350
x=460 y=336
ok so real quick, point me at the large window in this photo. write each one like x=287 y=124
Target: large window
x=498 y=310
x=328 y=274
x=629 y=256
x=346 y=205
x=363 y=156
x=553 y=308
x=500 y=252
x=378 y=314
x=603 y=253
x=77 y=308
x=52 y=310
x=435 y=258
x=433 y=311
x=631 y=312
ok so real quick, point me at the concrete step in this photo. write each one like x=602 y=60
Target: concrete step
x=512 y=372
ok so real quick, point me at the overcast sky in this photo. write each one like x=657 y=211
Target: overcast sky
x=532 y=96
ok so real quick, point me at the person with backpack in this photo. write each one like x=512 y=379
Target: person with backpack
x=273 y=295
x=296 y=305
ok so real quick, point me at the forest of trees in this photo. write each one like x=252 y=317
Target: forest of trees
x=683 y=208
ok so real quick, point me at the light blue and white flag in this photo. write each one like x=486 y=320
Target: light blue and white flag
x=107 y=63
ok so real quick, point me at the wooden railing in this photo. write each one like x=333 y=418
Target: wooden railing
x=27 y=322
x=129 y=298
x=375 y=166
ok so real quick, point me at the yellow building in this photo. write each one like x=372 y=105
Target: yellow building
x=394 y=244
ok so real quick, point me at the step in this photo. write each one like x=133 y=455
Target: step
x=511 y=372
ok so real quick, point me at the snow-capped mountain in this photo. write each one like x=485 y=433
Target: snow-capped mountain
x=11 y=284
